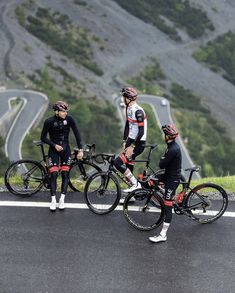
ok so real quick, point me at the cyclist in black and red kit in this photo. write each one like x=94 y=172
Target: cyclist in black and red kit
x=59 y=154
x=171 y=162
x=134 y=137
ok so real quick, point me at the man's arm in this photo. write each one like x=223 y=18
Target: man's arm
x=140 y=120
x=126 y=131
x=166 y=158
x=44 y=134
x=76 y=132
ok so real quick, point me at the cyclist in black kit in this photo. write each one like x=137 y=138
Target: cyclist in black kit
x=59 y=154
x=171 y=162
x=134 y=137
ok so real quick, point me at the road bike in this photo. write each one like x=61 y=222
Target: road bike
x=205 y=203
x=103 y=191
x=27 y=177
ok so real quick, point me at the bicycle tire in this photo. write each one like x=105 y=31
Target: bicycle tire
x=141 y=216
x=79 y=173
x=201 y=201
x=102 y=193
x=24 y=177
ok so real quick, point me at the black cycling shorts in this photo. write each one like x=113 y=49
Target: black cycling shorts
x=56 y=158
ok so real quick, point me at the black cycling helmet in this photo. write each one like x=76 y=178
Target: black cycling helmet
x=60 y=106
x=129 y=93
x=170 y=130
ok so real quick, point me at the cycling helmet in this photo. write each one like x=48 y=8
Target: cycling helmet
x=170 y=130
x=129 y=93
x=60 y=106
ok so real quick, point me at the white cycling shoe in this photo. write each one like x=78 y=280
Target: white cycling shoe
x=132 y=188
x=53 y=206
x=158 y=238
x=61 y=205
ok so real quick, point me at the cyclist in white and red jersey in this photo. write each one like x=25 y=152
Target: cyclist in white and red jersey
x=134 y=137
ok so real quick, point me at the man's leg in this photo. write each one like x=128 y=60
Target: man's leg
x=171 y=187
x=54 y=174
x=53 y=161
x=139 y=148
x=65 y=167
x=64 y=185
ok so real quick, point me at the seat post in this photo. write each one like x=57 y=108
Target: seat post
x=190 y=177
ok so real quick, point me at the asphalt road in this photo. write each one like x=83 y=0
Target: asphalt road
x=78 y=251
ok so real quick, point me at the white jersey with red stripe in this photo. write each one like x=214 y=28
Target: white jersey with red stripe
x=134 y=123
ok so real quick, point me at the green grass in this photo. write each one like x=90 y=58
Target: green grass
x=228 y=182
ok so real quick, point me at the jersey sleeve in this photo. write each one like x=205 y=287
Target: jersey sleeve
x=76 y=132
x=126 y=130
x=166 y=158
x=140 y=122
x=44 y=133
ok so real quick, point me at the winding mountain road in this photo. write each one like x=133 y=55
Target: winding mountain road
x=34 y=105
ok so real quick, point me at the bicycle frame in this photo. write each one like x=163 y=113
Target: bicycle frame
x=111 y=169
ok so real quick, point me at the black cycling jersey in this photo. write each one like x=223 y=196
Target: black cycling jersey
x=58 y=130
x=172 y=160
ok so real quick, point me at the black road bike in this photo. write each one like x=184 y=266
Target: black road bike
x=27 y=177
x=103 y=191
x=205 y=203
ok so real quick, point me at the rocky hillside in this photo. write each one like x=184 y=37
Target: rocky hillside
x=121 y=45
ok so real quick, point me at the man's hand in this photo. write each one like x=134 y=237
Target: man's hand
x=123 y=146
x=58 y=148
x=80 y=154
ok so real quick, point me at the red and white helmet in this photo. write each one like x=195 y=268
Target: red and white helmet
x=129 y=93
x=170 y=130
x=60 y=106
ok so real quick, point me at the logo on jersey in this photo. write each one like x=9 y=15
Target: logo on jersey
x=65 y=122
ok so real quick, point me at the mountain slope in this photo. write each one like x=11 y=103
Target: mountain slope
x=127 y=43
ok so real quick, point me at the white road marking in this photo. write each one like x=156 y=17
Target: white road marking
x=83 y=206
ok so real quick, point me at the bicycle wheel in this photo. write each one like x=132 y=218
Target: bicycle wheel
x=102 y=193
x=79 y=173
x=24 y=177
x=206 y=202
x=144 y=209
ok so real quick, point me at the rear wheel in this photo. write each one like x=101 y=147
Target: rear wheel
x=144 y=209
x=79 y=173
x=24 y=177
x=102 y=193
x=206 y=202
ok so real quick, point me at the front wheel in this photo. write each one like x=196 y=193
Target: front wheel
x=144 y=209
x=206 y=202
x=79 y=173
x=24 y=177
x=102 y=193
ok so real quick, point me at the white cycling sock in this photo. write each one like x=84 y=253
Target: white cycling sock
x=62 y=197
x=165 y=227
x=53 y=198
x=131 y=178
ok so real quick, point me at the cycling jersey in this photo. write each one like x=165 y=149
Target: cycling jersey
x=171 y=160
x=58 y=130
x=136 y=124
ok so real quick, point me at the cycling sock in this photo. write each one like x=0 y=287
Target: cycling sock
x=62 y=197
x=164 y=229
x=53 y=198
x=131 y=178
